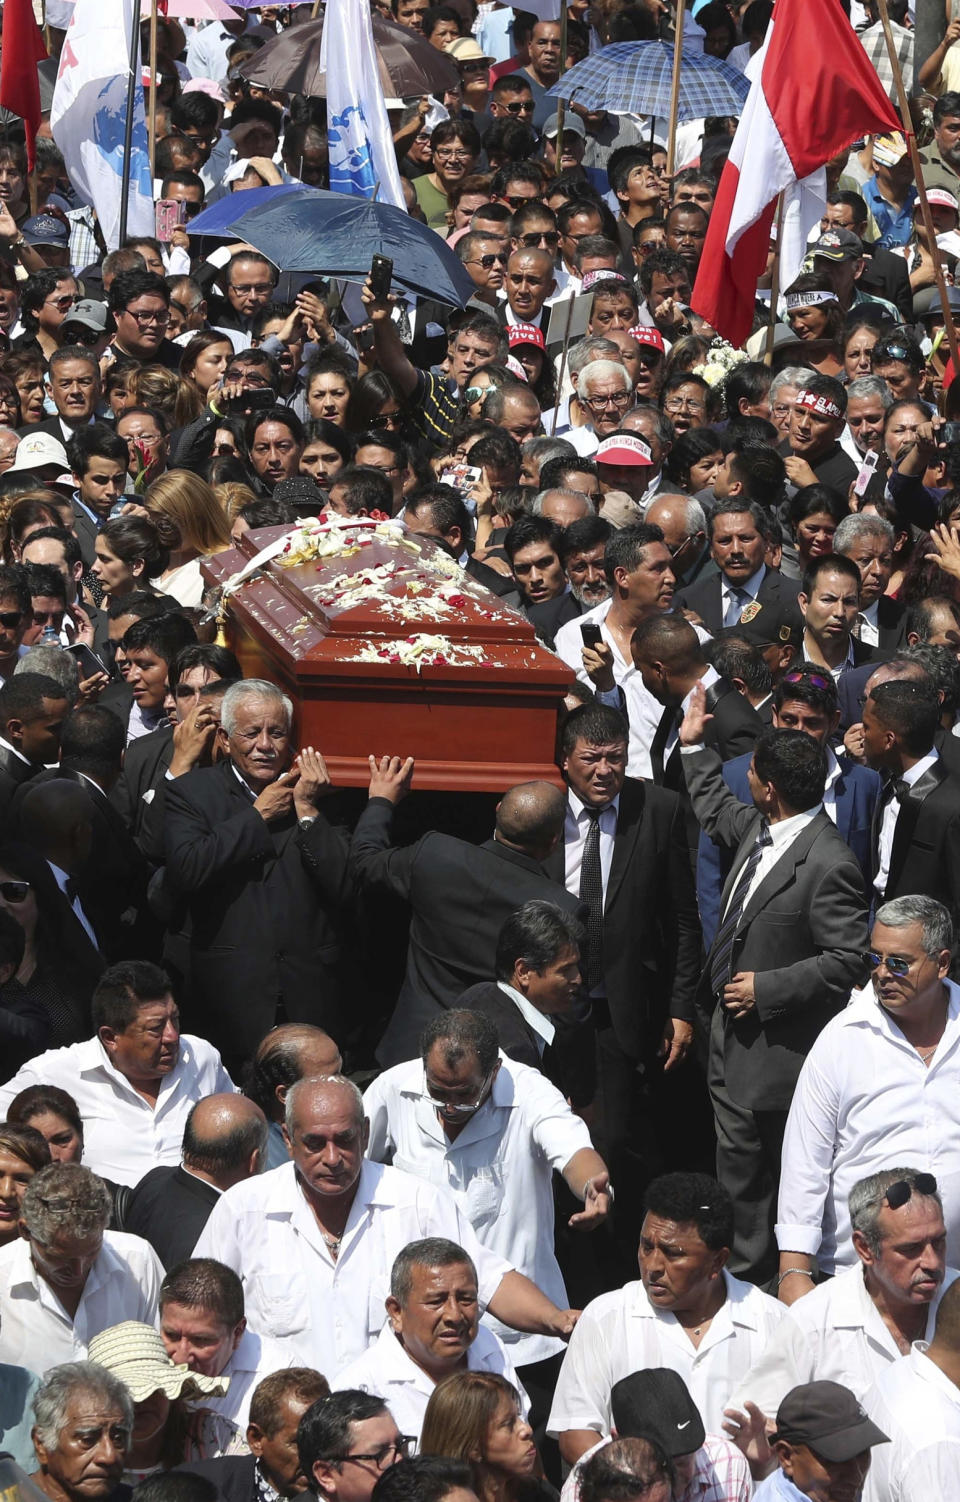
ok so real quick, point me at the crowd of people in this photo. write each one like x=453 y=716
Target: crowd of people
x=367 y=1222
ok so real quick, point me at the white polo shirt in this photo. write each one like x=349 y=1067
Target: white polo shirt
x=918 y=1408
x=35 y=1329
x=386 y=1370
x=499 y=1168
x=324 y=1313
x=123 y=1135
x=621 y=1332
x=832 y=1334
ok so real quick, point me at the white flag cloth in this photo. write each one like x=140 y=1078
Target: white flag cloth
x=89 y=113
x=358 y=131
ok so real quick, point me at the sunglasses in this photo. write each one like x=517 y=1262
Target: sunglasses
x=384 y=420
x=520 y=107
x=10 y=619
x=537 y=238
x=490 y=259
x=891 y=352
x=14 y=891
x=517 y=200
x=895 y=963
x=81 y=335
x=902 y=1190
x=816 y=679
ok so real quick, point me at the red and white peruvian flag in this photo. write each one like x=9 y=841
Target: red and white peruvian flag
x=814 y=92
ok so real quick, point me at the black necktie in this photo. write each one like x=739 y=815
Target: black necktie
x=727 y=932
x=70 y=888
x=591 y=892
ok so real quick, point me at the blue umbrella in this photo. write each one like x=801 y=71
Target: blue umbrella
x=216 y=220
x=635 y=78
x=332 y=234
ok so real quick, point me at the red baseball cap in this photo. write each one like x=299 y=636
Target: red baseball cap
x=624 y=449
x=525 y=333
x=643 y=335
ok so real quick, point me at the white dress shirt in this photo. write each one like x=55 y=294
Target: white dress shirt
x=918 y=1407
x=499 y=1168
x=891 y=814
x=35 y=1329
x=123 y=1135
x=869 y=625
x=783 y=835
x=225 y=1422
x=324 y=1313
x=621 y=1332
x=13 y=750
x=833 y=1334
x=61 y=878
x=643 y=710
x=387 y=1371
x=576 y=827
x=830 y=786
x=865 y=1100
x=542 y=1025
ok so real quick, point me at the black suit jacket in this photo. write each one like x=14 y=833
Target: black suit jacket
x=705 y=597
x=87 y=532
x=498 y=584
x=169 y=1208
x=802 y=933
x=568 y=1062
x=926 y=843
x=460 y=896
x=546 y=619
x=145 y=764
x=891 y=624
x=887 y=276
x=651 y=930
x=232 y=1475
x=13 y=774
x=118 y=698
x=732 y=732
x=264 y=905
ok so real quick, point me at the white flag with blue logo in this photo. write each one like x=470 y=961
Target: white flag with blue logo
x=89 y=112
x=358 y=131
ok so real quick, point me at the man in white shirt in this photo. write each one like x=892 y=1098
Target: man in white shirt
x=134 y=1081
x=687 y=1313
x=492 y=1132
x=432 y=1331
x=917 y=1402
x=202 y=1325
x=868 y=541
x=850 y=1328
x=67 y=1277
x=881 y=1084
x=313 y=1242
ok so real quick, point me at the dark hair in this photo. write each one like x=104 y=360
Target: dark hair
x=366 y=489
x=74 y=352
x=46 y=579
x=447 y=507
x=34 y=293
x=688 y=450
x=13 y=942
x=95 y=441
x=527 y=530
x=424 y=1478
x=459 y=1034
x=666 y=262
x=301 y=1383
x=202 y=340
x=202 y=1283
x=134 y=538
x=14 y=586
x=625 y=548
x=942 y=667
x=195 y=109
x=795 y=763
x=735 y=657
x=760 y=470
x=37 y=1100
x=165 y=635
x=142 y=606
x=829 y=563
x=320 y=430
x=749 y=380
x=457 y=130
x=624 y=1469
x=585 y=533
x=284 y=415
x=251 y=256
x=221 y=662
x=22 y=696
x=803 y=691
x=535 y=933
x=92 y=741
x=370 y=393
x=176 y=1485
x=123 y=989
x=910 y=709
x=129 y=285
x=902 y=340
x=813 y=500
x=595 y=724
x=324 y=1431
x=854 y=201
x=918 y=621
x=695 y=1199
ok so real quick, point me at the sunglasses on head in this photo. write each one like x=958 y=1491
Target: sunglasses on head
x=902 y=1190
x=816 y=679
x=14 y=891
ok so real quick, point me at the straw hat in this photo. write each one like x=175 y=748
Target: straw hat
x=135 y=1353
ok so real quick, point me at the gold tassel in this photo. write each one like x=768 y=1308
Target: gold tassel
x=221 y=639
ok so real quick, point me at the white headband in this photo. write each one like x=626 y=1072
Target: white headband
x=808 y=299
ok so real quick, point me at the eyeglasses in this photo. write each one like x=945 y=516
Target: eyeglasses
x=43 y=617
x=10 y=619
x=683 y=404
x=145 y=319
x=520 y=107
x=816 y=679
x=517 y=200
x=454 y=1108
x=452 y=156
x=492 y=258
x=380 y=1458
x=537 y=238
x=621 y=401
x=902 y=1190
x=60 y=302
x=14 y=891
x=895 y=963
x=245 y=290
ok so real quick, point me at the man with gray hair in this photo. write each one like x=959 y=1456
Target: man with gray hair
x=562 y=506
x=604 y=394
x=262 y=871
x=783 y=394
x=683 y=522
x=869 y=399
x=432 y=1330
x=313 y=1242
x=67 y=1277
x=851 y=1327
x=82 y=1433
x=868 y=541
x=880 y=1085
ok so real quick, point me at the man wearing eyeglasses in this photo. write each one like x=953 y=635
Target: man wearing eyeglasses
x=512 y=99
x=140 y=304
x=346 y=1443
x=880 y=1086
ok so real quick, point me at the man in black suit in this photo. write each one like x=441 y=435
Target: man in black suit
x=32 y=712
x=15 y=616
x=263 y=875
x=786 y=954
x=532 y=546
x=438 y=512
x=868 y=541
x=917 y=825
x=224 y=1142
x=460 y=894
x=73 y=378
x=99 y=460
x=671 y=660
x=535 y=1001
x=149 y=647
x=743 y=581
x=272 y=1468
x=829 y=602
x=624 y=854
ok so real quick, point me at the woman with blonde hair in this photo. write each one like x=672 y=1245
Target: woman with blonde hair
x=176 y=399
x=190 y=522
x=476 y=1417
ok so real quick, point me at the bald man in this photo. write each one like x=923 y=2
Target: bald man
x=529 y=282
x=563 y=506
x=460 y=894
x=683 y=522
x=224 y=1142
x=293 y=1051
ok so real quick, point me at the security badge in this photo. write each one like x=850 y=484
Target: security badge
x=750 y=612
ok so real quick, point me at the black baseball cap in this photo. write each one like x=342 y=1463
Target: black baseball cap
x=656 y=1401
x=827 y=1418
x=772 y=623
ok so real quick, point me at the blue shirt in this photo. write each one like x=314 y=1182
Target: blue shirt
x=779 y=1488
x=895 y=228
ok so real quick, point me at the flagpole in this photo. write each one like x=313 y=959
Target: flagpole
x=152 y=122
x=134 y=62
x=675 y=87
x=561 y=103
x=774 y=286
x=921 y=186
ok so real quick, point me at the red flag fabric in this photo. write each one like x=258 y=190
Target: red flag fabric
x=814 y=91
x=23 y=48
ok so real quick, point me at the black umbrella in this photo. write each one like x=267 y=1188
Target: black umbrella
x=409 y=65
